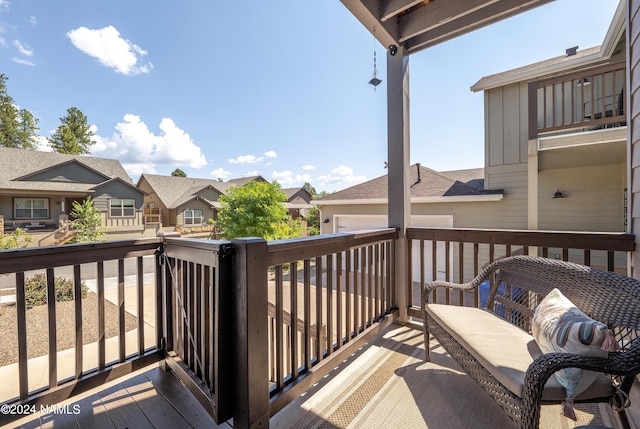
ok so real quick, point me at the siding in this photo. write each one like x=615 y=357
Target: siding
x=506 y=125
x=207 y=211
x=633 y=68
x=68 y=172
x=116 y=189
x=594 y=199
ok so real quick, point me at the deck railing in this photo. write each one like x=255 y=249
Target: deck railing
x=248 y=325
x=118 y=342
x=458 y=255
x=584 y=100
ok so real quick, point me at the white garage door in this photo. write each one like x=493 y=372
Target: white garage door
x=346 y=223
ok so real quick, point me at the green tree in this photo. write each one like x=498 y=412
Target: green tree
x=255 y=210
x=73 y=136
x=27 y=128
x=17 y=127
x=87 y=222
x=178 y=173
x=313 y=220
x=310 y=189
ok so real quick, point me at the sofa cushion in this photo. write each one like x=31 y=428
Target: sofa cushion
x=559 y=326
x=505 y=350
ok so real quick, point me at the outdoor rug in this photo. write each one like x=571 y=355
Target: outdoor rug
x=387 y=384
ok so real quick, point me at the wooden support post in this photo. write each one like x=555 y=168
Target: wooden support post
x=399 y=207
x=250 y=302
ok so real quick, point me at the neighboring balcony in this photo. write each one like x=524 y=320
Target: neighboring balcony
x=249 y=326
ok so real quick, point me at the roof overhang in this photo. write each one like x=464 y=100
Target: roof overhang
x=419 y=24
x=414 y=200
x=583 y=59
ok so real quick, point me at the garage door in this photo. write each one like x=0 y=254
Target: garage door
x=346 y=223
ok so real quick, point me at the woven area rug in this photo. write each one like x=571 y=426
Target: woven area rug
x=388 y=385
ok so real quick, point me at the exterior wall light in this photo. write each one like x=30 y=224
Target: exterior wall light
x=558 y=195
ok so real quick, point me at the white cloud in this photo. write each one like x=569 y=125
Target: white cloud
x=22 y=61
x=341 y=174
x=33 y=20
x=136 y=170
x=246 y=159
x=134 y=144
x=108 y=47
x=308 y=167
x=287 y=177
x=42 y=144
x=221 y=173
x=23 y=49
x=270 y=154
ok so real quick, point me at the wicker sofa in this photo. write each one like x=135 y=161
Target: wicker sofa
x=494 y=345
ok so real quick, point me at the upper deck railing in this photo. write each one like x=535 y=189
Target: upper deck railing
x=580 y=101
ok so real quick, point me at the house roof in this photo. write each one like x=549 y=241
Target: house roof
x=426 y=185
x=174 y=191
x=564 y=63
x=292 y=192
x=19 y=169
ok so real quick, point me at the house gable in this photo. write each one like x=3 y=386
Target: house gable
x=117 y=189
x=72 y=171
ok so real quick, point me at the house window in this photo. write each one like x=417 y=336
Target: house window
x=30 y=208
x=121 y=208
x=192 y=217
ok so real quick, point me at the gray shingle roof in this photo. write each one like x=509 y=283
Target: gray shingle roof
x=174 y=190
x=431 y=184
x=22 y=163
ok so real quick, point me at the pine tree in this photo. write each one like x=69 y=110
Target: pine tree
x=73 y=136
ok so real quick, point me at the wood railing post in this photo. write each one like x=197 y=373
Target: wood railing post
x=250 y=347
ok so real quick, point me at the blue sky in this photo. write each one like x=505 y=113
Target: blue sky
x=230 y=89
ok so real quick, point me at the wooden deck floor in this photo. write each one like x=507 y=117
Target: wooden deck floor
x=149 y=398
x=384 y=384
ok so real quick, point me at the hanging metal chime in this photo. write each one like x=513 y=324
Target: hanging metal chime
x=374 y=80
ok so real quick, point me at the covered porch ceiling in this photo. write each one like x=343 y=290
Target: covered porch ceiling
x=419 y=24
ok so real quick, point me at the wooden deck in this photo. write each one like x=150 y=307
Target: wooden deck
x=149 y=398
x=385 y=384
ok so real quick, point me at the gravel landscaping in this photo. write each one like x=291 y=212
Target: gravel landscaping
x=37 y=327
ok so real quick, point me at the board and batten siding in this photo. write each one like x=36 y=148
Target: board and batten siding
x=69 y=172
x=594 y=198
x=633 y=107
x=117 y=189
x=506 y=125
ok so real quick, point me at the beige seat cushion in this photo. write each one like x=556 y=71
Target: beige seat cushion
x=505 y=350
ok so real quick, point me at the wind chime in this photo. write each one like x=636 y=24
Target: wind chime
x=374 y=80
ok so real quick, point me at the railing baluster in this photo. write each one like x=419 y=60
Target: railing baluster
x=330 y=312
x=307 y=314
x=461 y=270
x=347 y=296
x=293 y=285
x=23 y=370
x=121 y=313
x=51 y=318
x=339 y=308
x=101 y=318
x=140 y=309
x=319 y=319
x=355 y=301
x=279 y=286
x=77 y=304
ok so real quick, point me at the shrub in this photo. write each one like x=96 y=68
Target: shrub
x=35 y=289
